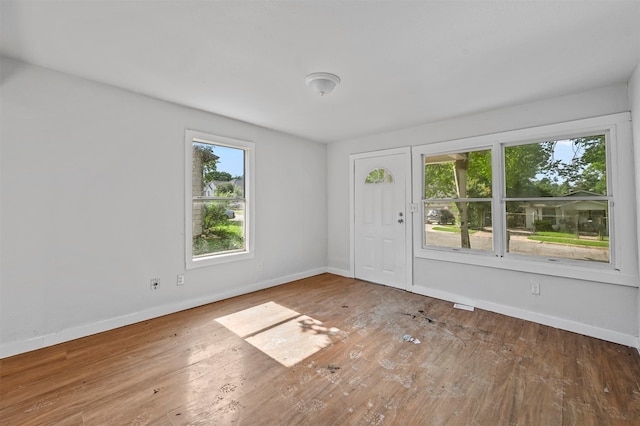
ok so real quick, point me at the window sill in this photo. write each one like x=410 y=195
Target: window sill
x=219 y=259
x=604 y=273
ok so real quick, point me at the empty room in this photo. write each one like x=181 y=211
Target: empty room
x=333 y=212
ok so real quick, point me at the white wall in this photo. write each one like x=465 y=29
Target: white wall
x=92 y=187
x=594 y=308
x=634 y=100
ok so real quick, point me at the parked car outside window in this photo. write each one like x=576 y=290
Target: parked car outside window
x=441 y=216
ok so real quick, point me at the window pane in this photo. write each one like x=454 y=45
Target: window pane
x=458 y=175
x=218 y=226
x=458 y=225
x=557 y=168
x=577 y=230
x=218 y=171
x=379 y=176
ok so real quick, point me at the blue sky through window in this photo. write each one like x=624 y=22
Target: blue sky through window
x=565 y=151
x=231 y=160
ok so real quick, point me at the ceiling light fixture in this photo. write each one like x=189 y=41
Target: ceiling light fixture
x=322 y=82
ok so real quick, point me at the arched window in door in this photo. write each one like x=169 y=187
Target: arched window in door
x=379 y=176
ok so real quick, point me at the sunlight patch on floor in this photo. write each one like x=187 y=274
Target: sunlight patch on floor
x=285 y=335
x=257 y=318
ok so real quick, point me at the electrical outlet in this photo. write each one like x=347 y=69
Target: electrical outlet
x=260 y=267
x=180 y=279
x=155 y=283
x=535 y=289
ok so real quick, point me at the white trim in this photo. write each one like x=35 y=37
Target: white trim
x=381 y=153
x=342 y=272
x=541 y=266
x=409 y=220
x=352 y=216
x=249 y=196
x=84 y=330
x=560 y=323
x=406 y=151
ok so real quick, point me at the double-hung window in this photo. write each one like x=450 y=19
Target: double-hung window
x=542 y=194
x=219 y=205
x=557 y=198
x=457 y=203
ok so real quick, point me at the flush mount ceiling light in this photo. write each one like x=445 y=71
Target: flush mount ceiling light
x=322 y=82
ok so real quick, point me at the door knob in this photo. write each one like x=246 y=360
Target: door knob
x=400 y=220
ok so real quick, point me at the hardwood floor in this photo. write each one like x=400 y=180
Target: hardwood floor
x=471 y=368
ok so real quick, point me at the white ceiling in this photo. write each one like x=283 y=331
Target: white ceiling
x=402 y=63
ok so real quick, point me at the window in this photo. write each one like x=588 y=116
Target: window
x=542 y=194
x=379 y=176
x=557 y=202
x=219 y=203
x=457 y=200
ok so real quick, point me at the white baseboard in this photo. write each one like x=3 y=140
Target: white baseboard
x=443 y=295
x=72 y=333
x=561 y=323
x=341 y=272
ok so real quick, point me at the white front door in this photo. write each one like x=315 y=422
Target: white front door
x=381 y=225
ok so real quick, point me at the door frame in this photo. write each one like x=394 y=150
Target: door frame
x=406 y=151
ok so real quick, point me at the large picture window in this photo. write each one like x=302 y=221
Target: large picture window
x=543 y=194
x=219 y=207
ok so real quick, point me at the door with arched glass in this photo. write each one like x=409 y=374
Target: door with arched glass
x=380 y=220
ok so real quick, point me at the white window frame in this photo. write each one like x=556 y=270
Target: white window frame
x=613 y=126
x=249 y=215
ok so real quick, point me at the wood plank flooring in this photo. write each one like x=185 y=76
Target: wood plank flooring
x=471 y=368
